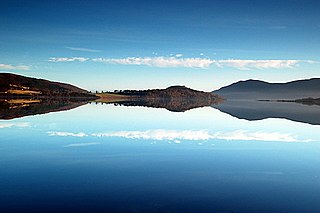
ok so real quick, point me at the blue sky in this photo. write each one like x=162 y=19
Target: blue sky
x=107 y=45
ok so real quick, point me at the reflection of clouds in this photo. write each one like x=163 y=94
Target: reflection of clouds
x=65 y=134
x=256 y=136
x=177 y=136
x=81 y=144
x=160 y=134
x=14 y=67
x=16 y=124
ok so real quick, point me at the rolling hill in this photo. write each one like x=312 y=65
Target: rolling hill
x=174 y=98
x=16 y=85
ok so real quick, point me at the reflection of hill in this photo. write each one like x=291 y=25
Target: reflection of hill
x=174 y=105
x=258 y=110
x=175 y=98
x=16 y=108
x=309 y=101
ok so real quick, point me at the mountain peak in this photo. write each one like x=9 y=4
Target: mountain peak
x=256 y=89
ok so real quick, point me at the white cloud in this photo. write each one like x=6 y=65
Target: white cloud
x=258 y=64
x=66 y=134
x=176 y=136
x=6 y=125
x=12 y=67
x=81 y=144
x=159 y=61
x=178 y=61
x=83 y=49
x=80 y=59
x=171 y=135
x=256 y=136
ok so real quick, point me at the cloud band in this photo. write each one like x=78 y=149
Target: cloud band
x=178 y=61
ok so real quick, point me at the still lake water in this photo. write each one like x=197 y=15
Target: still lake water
x=105 y=158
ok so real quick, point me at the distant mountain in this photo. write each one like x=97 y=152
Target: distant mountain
x=258 y=90
x=16 y=85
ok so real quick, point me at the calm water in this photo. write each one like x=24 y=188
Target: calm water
x=104 y=158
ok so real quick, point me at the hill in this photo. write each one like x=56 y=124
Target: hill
x=255 y=89
x=173 y=92
x=12 y=85
x=174 y=98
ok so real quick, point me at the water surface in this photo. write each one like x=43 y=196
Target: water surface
x=105 y=158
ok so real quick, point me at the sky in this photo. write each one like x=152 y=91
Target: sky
x=119 y=44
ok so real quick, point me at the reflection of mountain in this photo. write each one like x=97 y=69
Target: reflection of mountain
x=253 y=89
x=175 y=98
x=309 y=101
x=257 y=110
x=174 y=105
x=16 y=108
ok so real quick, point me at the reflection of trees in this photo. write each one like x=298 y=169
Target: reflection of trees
x=16 y=108
x=175 y=105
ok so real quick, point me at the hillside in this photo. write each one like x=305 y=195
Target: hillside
x=173 y=92
x=254 y=89
x=174 y=98
x=16 y=85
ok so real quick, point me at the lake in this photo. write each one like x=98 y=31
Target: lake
x=106 y=158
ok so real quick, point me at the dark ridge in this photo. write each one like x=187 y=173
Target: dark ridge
x=12 y=85
x=307 y=84
x=172 y=92
x=245 y=85
x=255 y=89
